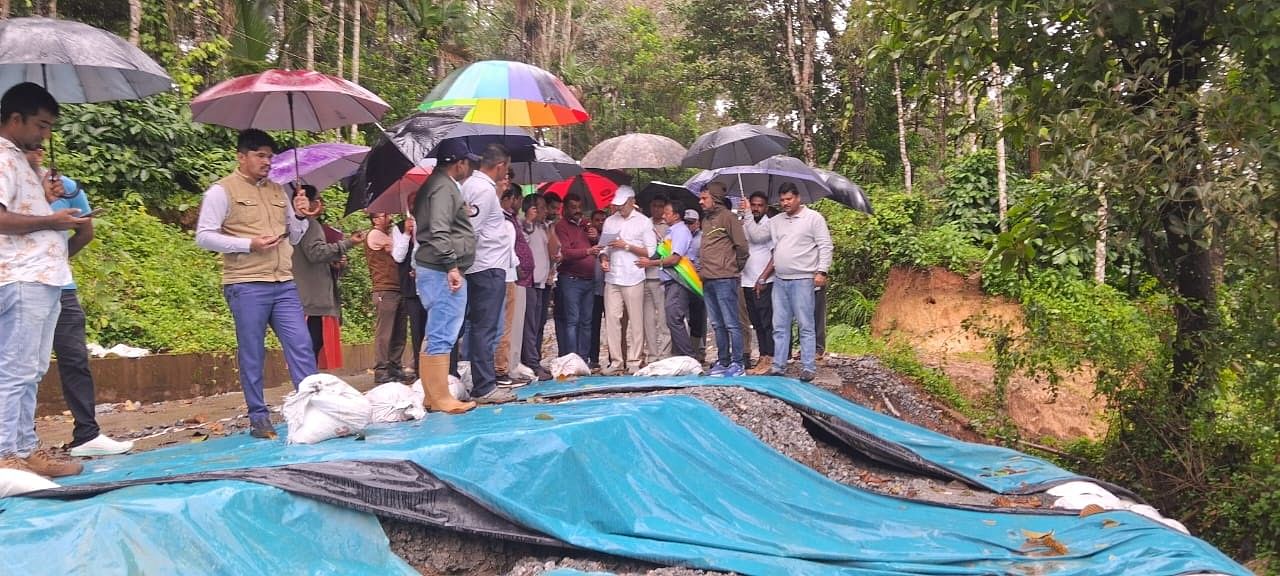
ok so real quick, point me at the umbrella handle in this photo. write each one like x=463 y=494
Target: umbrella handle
x=293 y=134
x=44 y=79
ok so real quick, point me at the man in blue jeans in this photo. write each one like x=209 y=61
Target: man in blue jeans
x=487 y=275
x=247 y=218
x=722 y=255
x=446 y=247
x=801 y=258
x=576 y=279
x=33 y=269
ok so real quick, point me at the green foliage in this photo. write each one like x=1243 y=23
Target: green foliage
x=149 y=148
x=145 y=283
x=969 y=199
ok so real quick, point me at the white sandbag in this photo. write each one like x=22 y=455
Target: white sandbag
x=569 y=365
x=460 y=391
x=522 y=373
x=15 y=482
x=394 y=402
x=419 y=409
x=1079 y=494
x=673 y=366
x=324 y=407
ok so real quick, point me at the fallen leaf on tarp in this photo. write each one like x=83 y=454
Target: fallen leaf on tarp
x=1016 y=502
x=1109 y=523
x=1091 y=509
x=199 y=436
x=562 y=378
x=871 y=478
x=1046 y=540
x=989 y=522
x=543 y=416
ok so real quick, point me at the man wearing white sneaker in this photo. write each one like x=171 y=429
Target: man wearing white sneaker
x=69 y=345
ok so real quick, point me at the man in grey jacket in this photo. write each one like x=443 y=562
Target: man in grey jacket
x=801 y=258
x=446 y=247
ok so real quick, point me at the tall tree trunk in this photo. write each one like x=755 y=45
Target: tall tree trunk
x=802 y=71
x=282 y=32
x=342 y=34
x=135 y=21
x=997 y=97
x=51 y=9
x=944 y=99
x=971 y=111
x=229 y=17
x=311 y=37
x=1100 y=247
x=4 y=9
x=566 y=45
x=858 y=79
x=355 y=52
x=902 y=126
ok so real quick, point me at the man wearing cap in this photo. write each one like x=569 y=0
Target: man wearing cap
x=446 y=247
x=723 y=254
x=801 y=257
x=487 y=275
x=629 y=236
x=246 y=217
x=677 y=295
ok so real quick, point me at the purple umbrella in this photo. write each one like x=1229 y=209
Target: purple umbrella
x=320 y=165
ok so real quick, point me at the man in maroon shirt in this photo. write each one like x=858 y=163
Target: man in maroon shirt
x=576 y=275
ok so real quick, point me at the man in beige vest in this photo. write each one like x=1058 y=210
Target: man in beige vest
x=247 y=219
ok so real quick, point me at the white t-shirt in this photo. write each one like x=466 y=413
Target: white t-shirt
x=637 y=230
x=759 y=249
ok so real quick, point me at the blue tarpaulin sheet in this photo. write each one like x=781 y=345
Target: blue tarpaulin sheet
x=665 y=479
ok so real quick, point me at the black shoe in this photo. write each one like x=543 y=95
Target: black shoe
x=542 y=373
x=504 y=381
x=262 y=429
x=807 y=376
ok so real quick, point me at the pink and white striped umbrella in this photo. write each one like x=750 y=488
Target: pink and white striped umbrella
x=287 y=100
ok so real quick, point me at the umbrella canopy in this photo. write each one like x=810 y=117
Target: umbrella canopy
x=320 y=165
x=737 y=145
x=635 y=150
x=287 y=100
x=549 y=164
x=398 y=198
x=844 y=191
x=76 y=62
x=671 y=191
x=595 y=186
x=413 y=142
x=766 y=176
x=508 y=94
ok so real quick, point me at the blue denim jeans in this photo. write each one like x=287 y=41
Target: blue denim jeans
x=793 y=300
x=28 y=317
x=444 y=309
x=254 y=306
x=487 y=293
x=578 y=297
x=722 y=305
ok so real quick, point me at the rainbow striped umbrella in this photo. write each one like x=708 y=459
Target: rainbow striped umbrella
x=507 y=93
x=683 y=271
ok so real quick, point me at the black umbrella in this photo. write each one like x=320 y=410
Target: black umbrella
x=844 y=191
x=737 y=145
x=549 y=164
x=671 y=191
x=76 y=62
x=415 y=139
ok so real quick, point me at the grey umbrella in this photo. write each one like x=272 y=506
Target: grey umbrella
x=635 y=150
x=549 y=164
x=76 y=62
x=766 y=176
x=844 y=191
x=737 y=145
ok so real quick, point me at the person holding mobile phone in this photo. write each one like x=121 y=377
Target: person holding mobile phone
x=69 y=341
x=33 y=269
x=254 y=223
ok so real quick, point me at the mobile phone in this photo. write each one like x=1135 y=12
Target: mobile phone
x=93 y=213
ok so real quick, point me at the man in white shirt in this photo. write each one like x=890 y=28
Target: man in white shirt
x=33 y=270
x=487 y=277
x=757 y=291
x=629 y=236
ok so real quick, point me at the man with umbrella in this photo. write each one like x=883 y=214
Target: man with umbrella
x=33 y=269
x=246 y=217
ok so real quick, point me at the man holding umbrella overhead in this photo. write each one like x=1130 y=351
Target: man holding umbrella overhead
x=246 y=217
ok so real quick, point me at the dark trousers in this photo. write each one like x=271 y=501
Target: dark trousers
x=417 y=326
x=760 y=309
x=315 y=326
x=597 y=317
x=562 y=333
x=698 y=327
x=576 y=295
x=486 y=293
x=820 y=319
x=676 y=306
x=73 y=368
x=390 y=326
x=535 y=322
